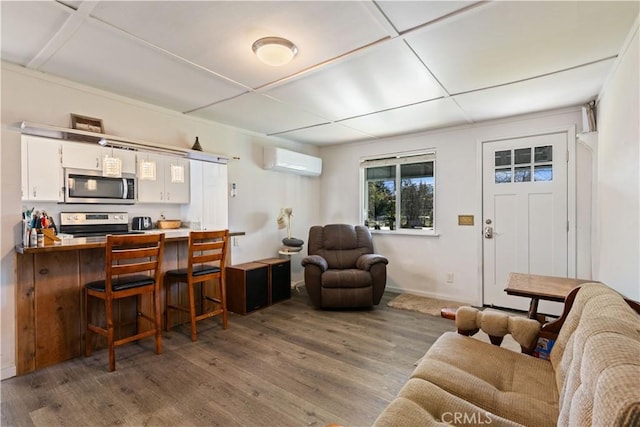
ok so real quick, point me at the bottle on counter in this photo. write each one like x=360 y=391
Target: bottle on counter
x=26 y=233
x=33 y=238
x=40 y=238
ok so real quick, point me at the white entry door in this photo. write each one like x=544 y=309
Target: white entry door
x=525 y=221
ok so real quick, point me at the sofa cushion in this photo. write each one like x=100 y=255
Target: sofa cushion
x=512 y=385
x=346 y=297
x=597 y=359
x=421 y=403
x=349 y=278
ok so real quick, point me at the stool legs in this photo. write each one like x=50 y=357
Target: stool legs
x=191 y=309
x=157 y=320
x=192 y=312
x=110 y=335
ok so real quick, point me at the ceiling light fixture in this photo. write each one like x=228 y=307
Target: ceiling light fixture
x=274 y=51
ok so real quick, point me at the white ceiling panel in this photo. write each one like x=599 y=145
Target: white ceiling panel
x=405 y=15
x=219 y=34
x=427 y=115
x=573 y=87
x=509 y=41
x=113 y=62
x=363 y=83
x=365 y=69
x=259 y=113
x=27 y=27
x=328 y=134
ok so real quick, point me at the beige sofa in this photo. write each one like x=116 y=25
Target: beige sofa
x=591 y=378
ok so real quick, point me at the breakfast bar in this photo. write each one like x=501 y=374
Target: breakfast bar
x=49 y=296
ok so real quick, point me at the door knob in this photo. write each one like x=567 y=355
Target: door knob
x=488 y=232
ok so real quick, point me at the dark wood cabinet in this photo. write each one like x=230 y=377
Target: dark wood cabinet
x=257 y=284
x=279 y=278
x=247 y=287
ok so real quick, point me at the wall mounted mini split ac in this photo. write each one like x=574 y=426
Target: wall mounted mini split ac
x=282 y=160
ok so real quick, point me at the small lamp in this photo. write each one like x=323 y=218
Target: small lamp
x=291 y=245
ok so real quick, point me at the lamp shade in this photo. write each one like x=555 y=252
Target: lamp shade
x=147 y=170
x=284 y=219
x=111 y=166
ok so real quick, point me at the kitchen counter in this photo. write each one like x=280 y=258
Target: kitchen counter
x=50 y=312
x=71 y=244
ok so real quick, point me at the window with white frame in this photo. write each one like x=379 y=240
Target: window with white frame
x=399 y=192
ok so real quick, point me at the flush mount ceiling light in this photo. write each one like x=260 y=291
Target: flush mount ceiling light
x=274 y=51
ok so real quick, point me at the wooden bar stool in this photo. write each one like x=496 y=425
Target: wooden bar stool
x=205 y=248
x=132 y=267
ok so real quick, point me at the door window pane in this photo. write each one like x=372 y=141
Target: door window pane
x=503 y=175
x=503 y=158
x=543 y=154
x=522 y=155
x=543 y=173
x=522 y=174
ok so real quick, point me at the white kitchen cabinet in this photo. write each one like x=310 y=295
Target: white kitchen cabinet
x=42 y=178
x=164 y=189
x=128 y=158
x=89 y=156
x=81 y=155
x=209 y=202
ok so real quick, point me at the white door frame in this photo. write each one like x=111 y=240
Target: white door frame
x=570 y=130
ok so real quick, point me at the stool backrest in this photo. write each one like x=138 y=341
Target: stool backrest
x=207 y=247
x=133 y=254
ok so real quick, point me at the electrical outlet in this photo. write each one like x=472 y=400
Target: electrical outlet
x=449 y=277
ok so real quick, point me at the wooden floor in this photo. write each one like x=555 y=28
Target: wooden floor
x=286 y=365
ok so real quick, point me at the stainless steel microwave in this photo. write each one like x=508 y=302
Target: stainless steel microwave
x=86 y=186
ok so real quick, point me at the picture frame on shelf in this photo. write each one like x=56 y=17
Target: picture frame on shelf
x=89 y=124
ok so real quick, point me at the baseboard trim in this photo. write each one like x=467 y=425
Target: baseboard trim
x=8 y=372
x=425 y=294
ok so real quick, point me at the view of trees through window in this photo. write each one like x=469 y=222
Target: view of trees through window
x=411 y=207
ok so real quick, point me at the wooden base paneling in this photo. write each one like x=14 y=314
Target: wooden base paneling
x=25 y=315
x=50 y=312
x=58 y=308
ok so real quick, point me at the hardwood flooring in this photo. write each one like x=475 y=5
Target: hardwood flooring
x=285 y=365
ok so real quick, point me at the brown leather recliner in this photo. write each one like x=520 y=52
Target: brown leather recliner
x=341 y=269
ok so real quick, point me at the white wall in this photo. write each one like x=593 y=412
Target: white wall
x=419 y=264
x=618 y=187
x=35 y=97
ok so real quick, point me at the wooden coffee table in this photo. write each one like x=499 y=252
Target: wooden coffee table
x=537 y=287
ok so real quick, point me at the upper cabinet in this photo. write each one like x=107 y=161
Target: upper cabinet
x=48 y=150
x=82 y=155
x=41 y=170
x=171 y=183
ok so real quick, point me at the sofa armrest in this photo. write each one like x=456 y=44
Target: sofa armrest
x=315 y=260
x=497 y=325
x=366 y=261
